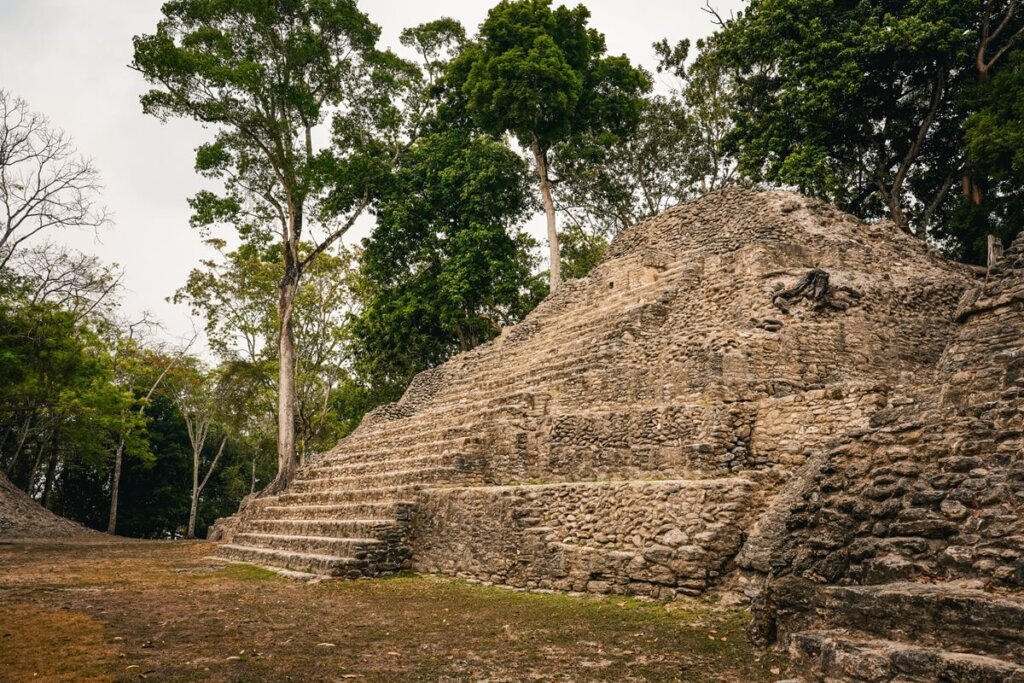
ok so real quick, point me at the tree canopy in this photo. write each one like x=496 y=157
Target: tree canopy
x=543 y=75
x=271 y=75
x=867 y=104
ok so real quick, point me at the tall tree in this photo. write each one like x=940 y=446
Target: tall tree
x=542 y=74
x=853 y=102
x=193 y=390
x=448 y=264
x=235 y=293
x=44 y=184
x=269 y=74
x=132 y=363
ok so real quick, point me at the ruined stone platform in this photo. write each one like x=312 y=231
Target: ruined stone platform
x=898 y=554
x=753 y=392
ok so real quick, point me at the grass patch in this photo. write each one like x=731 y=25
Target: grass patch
x=240 y=572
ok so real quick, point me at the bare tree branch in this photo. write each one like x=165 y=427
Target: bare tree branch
x=44 y=183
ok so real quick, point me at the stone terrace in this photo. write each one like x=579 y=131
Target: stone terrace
x=899 y=554
x=627 y=436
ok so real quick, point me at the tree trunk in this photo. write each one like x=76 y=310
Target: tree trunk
x=30 y=476
x=115 y=485
x=287 y=455
x=549 y=211
x=22 y=438
x=51 y=470
x=252 y=480
x=194 y=507
x=198 y=486
x=897 y=213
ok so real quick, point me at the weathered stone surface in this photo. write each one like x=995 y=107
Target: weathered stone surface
x=941 y=474
x=718 y=347
x=752 y=390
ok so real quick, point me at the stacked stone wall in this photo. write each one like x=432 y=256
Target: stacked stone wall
x=658 y=538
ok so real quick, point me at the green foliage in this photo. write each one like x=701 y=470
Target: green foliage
x=59 y=401
x=446 y=266
x=542 y=74
x=873 y=106
x=236 y=294
x=994 y=137
x=269 y=74
x=581 y=251
x=63 y=406
x=273 y=76
x=831 y=104
x=74 y=383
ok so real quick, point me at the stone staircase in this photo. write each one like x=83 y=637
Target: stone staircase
x=902 y=632
x=355 y=527
x=607 y=442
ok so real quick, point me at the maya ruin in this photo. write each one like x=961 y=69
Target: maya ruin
x=518 y=341
x=753 y=397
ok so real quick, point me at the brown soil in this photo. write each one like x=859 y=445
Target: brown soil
x=161 y=611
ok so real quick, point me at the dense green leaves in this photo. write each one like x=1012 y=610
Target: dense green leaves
x=446 y=266
x=542 y=74
x=865 y=104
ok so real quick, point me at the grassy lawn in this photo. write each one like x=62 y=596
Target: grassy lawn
x=159 y=611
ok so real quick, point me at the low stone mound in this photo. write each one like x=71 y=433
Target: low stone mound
x=23 y=518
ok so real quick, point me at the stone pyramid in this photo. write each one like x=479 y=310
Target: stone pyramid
x=630 y=433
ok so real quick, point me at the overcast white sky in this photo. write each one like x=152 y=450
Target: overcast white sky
x=68 y=59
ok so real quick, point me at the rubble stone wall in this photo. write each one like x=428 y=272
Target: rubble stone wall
x=657 y=538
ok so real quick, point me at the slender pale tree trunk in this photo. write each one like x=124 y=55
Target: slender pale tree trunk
x=115 y=487
x=115 y=483
x=22 y=438
x=287 y=456
x=31 y=476
x=252 y=479
x=112 y=519
x=194 y=507
x=549 y=210
x=51 y=471
x=198 y=486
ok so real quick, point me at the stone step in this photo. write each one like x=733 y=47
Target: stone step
x=347 y=496
x=360 y=482
x=357 y=548
x=330 y=466
x=537 y=360
x=945 y=616
x=834 y=656
x=329 y=565
x=389 y=510
x=357 y=454
x=341 y=528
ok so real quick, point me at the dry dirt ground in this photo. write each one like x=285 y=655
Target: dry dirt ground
x=161 y=611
